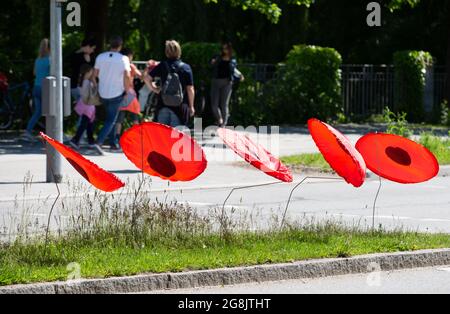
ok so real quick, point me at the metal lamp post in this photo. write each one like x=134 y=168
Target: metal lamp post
x=54 y=123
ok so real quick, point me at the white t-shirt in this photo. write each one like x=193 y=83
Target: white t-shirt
x=112 y=67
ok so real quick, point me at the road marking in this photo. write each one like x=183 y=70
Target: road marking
x=383 y=217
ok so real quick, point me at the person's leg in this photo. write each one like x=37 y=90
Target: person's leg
x=37 y=113
x=135 y=119
x=226 y=93
x=113 y=142
x=164 y=116
x=112 y=110
x=90 y=132
x=221 y=102
x=120 y=121
x=215 y=100
x=80 y=130
x=174 y=120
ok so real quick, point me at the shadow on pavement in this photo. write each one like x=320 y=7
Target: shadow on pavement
x=14 y=146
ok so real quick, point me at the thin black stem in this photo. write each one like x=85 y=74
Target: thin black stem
x=244 y=188
x=296 y=187
x=47 y=232
x=375 y=203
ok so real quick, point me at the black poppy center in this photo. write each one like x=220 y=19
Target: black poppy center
x=399 y=155
x=78 y=168
x=161 y=164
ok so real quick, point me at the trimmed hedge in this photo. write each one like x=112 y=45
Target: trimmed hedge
x=308 y=85
x=410 y=71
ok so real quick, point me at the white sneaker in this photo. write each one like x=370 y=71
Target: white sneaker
x=73 y=145
x=98 y=149
x=27 y=137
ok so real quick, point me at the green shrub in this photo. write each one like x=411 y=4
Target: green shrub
x=440 y=147
x=397 y=123
x=308 y=85
x=247 y=106
x=444 y=114
x=410 y=70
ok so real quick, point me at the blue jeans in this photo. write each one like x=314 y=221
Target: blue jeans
x=168 y=117
x=37 y=113
x=112 y=107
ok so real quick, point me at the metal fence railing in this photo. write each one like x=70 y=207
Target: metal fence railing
x=366 y=89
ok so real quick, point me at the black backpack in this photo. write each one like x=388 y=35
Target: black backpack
x=172 y=90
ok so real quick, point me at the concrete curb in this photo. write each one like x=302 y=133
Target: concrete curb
x=223 y=277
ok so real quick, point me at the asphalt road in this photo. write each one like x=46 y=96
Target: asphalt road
x=417 y=281
x=423 y=207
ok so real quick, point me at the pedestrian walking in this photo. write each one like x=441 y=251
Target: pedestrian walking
x=225 y=72
x=114 y=73
x=84 y=55
x=41 y=71
x=86 y=108
x=177 y=91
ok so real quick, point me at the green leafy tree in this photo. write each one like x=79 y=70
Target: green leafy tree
x=270 y=9
x=397 y=4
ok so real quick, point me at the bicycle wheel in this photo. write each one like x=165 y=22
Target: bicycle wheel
x=6 y=114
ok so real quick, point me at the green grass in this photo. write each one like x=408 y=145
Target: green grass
x=27 y=263
x=438 y=146
x=315 y=161
x=118 y=235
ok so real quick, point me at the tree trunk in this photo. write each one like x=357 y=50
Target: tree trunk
x=97 y=21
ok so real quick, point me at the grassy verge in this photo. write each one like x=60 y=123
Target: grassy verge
x=104 y=236
x=438 y=146
x=26 y=263
x=311 y=161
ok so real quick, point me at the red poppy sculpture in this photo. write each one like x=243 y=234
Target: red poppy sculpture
x=398 y=159
x=339 y=152
x=98 y=177
x=256 y=155
x=162 y=151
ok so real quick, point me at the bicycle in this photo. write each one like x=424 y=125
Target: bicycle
x=10 y=111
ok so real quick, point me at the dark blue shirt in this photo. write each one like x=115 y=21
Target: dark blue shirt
x=184 y=71
x=186 y=78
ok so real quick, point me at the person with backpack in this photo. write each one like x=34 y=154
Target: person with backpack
x=177 y=91
x=225 y=72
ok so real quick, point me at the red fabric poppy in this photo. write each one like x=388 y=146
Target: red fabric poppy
x=98 y=177
x=398 y=159
x=162 y=151
x=339 y=152
x=256 y=155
